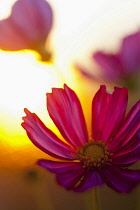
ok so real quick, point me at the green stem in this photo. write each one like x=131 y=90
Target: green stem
x=92 y=200
x=96 y=203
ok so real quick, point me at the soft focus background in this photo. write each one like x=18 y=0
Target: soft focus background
x=80 y=28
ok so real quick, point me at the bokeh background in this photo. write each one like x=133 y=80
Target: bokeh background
x=80 y=28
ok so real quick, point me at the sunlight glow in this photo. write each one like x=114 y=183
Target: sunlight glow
x=23 y=83
x=5 y=8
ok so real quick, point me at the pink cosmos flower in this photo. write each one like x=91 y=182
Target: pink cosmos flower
x=83 y=162
x=122 y=66
x=27 y=27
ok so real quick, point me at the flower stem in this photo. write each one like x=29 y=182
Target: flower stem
x=96 y=203
x=92 y=200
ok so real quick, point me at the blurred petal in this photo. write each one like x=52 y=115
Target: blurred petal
x=130 y=52
x=45 y=139
x=27 y=27
x=84 y=72
x=66 y=112
x=121 y=180
x=10 y=38
x=34 y=18
x=110 y=64
x=108 y=112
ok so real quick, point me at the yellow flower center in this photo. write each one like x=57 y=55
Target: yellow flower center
x=93 y=154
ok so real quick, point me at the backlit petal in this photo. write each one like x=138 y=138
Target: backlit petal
x=44 y=138
x=128 y=158
x=108 y=112
x=129 y=147
x=128 y=129
x=66 y=112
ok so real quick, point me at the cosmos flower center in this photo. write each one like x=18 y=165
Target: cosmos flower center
x=93 y=154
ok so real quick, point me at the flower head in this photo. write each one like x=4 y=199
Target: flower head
x=27 y=27
x=123 y=66
x=83 y=162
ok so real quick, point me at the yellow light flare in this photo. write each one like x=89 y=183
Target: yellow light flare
x=24 y=82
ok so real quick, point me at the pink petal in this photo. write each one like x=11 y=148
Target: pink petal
x=84 y=72
x=45 y=139
x=129 y=147
x=128 y=154
x=121 y=180
x=108 y=111
x=34 y=18
x=10 y=38
x=128 y=129
x=91 y=179
x=110 y=65
x=27 y=27
x=60 y=167
x=66 y=112
x=68 y=174
x=130 y=52
x=71 y=175
x=127 y=159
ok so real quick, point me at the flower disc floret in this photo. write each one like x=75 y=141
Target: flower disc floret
x=94 y=154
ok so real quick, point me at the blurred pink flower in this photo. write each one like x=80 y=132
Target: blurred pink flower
x=27 y=27
x=82 y=163
x=122 y=66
